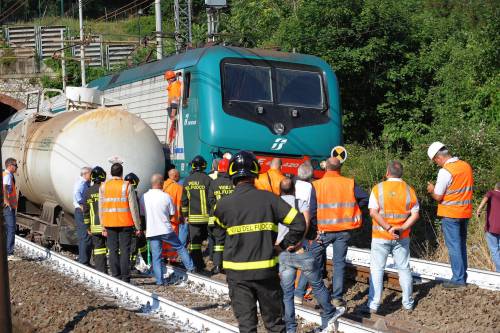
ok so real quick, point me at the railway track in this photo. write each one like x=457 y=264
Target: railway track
x=150 y=302
x=422 y=270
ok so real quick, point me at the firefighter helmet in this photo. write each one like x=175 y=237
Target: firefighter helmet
x=98 y=175
x=169 y=75
x=243 y=164
x=132 y=179
x=198 y=163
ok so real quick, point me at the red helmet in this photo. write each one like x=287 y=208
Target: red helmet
x=169 y=75
x=223 y=165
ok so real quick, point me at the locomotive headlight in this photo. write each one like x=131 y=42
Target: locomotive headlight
x=279 y=128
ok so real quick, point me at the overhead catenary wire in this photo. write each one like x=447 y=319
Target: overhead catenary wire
x=12 y=9
x=121 y=10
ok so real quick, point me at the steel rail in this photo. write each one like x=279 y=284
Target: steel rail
x=344 y=325
x=424 y=269
x=150 y=302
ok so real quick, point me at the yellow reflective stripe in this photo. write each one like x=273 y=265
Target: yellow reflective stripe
x=184 y=209
x=218 y=248
x=203 y=202
x=194 y=246
x=216 y=219
x=211 y=220
x=290 y=216
x=100 y=251
x=143 y=249
x=86 y=221
x=263 y=226
x=243 y=266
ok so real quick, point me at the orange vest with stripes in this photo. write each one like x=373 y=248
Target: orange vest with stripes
x=11 y=195
x=175 y=191
x=457 y=200
x=395 y=200
x=337 y=206
x=114 y=205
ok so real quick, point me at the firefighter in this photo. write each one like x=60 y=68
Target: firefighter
x=91 y=218
x=174 y=90
x=119 y=215
x=195 y=208
x=250 y=218
x=139 y=244
x=219 y=188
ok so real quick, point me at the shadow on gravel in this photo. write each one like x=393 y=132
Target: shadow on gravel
x=207 y=307
x=392 y=302
x=70 y=326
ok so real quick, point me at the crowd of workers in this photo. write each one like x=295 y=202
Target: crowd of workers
x=262 y=228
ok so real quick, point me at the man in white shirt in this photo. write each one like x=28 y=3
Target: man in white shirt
x=158 y=208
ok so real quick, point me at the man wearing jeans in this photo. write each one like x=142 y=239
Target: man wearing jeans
x=394 y=210
x=84 y=237
x=453 y=192
x=339 y=201
x=158 y=208
x=10 y=205
x=300 y=258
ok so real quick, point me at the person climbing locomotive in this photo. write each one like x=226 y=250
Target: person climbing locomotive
x=91 y=218
x=250 y=218
x=174 y=90
x=219 y=188
x=139 y=244
x=195 y=208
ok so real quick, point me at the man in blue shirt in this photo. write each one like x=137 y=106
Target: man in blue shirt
x=84 y=238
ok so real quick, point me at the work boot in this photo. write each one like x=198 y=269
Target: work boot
x=366 y=309
x=217 y=270
x=451 y=285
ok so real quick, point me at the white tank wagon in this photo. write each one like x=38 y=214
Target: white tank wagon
x=51 y=151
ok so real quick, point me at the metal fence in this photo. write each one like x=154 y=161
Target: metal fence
x=33 y=44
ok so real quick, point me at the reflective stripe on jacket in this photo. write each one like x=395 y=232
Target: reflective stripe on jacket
x=91 y=209
x=12 y=194
x=457 y=200
x=337 y=206
x=114 y=205
x=395 y=200
x=195 y=198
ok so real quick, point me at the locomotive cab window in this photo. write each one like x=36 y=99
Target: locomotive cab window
x=299 y=88
x=273 y=93
x=247 y=83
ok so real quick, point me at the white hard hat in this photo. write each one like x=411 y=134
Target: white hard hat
x=434 y=148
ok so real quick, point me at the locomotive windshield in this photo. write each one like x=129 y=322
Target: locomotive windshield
x=275 y=94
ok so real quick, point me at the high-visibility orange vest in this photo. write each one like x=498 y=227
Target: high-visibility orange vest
x=395 y=200
x=12 y=195
x=270 y=181
x=174 y=90
x=337 y=206
x=457 y=200
x=114 y=205
x=175 y=191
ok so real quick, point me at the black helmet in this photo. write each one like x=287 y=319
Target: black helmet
x=243 y=164
x=198 y=163
x=98 y=175
x=132 y=179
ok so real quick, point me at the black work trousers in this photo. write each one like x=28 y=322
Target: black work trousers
x=244 y=296
x=119 y=240
x=219 y=236
x=139 y=246
x=197 y=234
x=99 y=251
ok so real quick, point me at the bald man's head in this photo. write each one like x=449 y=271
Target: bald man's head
x=157 y=181
x=174 y=175
x=333 y=164
x=276 y=163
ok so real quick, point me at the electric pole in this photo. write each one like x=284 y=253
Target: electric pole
x=213 y=7
x=82 y=47
x=183 y=36
x=159 y=39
